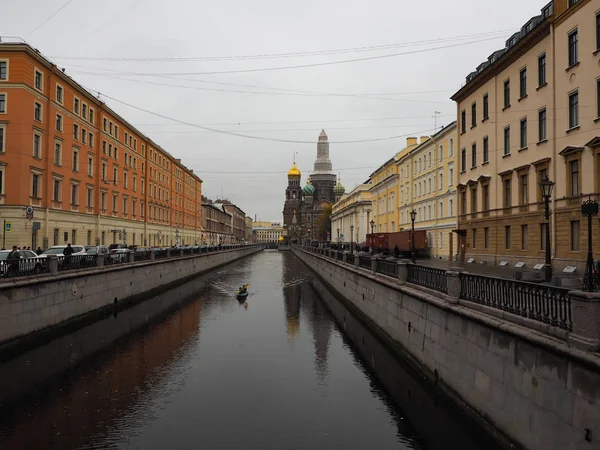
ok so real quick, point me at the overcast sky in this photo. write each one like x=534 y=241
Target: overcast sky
x=410 y=87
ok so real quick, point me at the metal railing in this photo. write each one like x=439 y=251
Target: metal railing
x=389 y=268
x=72 y=262
x=364 y=261
x=339 y=256
x=25 y=267
x=429 y=277
x=547 y=304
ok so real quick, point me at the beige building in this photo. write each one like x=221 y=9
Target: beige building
x=268 y=235
x=248 y=229
x=529 y=111
x=433 y=191
x=352 y=210
x=217 y=224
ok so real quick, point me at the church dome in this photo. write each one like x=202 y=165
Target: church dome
x=339 y=190
x=309 y=189
x=294 y=172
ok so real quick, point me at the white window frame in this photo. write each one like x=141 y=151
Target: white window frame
x=35 y=71
x=3 y=146
x=41 y=119
x=54 y=160
x=5 y=94
x=7 y=61
x=40 y=135
x=76 y=152
x=90 y=170
x=59 y=86
x=77 y=101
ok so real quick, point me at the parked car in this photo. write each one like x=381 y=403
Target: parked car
x=119 y=255
x=58 y=250
x=115 y=246
x=30 y=262
x=97 y=250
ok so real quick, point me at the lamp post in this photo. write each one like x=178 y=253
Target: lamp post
x=546 y=187
x=589 y=209
x=413 y=253
x=372 y=223
x=351 y=238
x=338 y=237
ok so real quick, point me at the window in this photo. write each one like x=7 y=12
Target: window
x=104 y=123
x=125 y=179
x=124 y=206
x=523 y=186
x=35 y=185
x=83 y=136
x=524 y=237
x=37 y=111
x=57 y=153
x=523 y=135
x=575 y=238
x=58 y=122
x=507 y=237
x=134 y=183
x=523 y=82
x=59 y=94
x=451 y=149
x=463 y=202
x=542 y=70
x=450 y=175
x=104 y=147
x=486 y=150
x=573 y=2
x=75 y=131
x=110 y=128
x=76 y=106
x=441 y=181
x=486 y=237
x=486 y=107
x=463 y=160
x=507 y=193
x=2 y=103
x=441 y=153
x=56 y=191
x=38 y=79
x=574 y=177
x=75 y=160
x=542 y=136
x=91 y=116
x=450 y=207
x=485 y=197
x=506 y=93
x=598 y=97
x=474 y=200
x=133 y=207
x=473 y=115
x=440 y=239
x=3 y=70
x=463 y=121
x=597 y=40
x=441 y=212
x=117 y=132
x=74 y=199
x=573 y=48
x=37 y=145
x=90 y=165
x=474 y=237
x=103 y=171
x=84 y=110
x=90 y=198
x=115 y=174
x=507 y=141
x=473 y=155
x=429 y=163
x=574 y=109
x=114 y=205
x=91 y=140
x=429 y=186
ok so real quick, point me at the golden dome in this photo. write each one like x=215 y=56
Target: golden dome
x=294 y=172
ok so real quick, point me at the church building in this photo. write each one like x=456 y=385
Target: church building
x=304 y=206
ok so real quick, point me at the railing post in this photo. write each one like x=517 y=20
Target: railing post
x=402 y=272
x=131 y=257
x=168 y=253
x=181 y=252
x=345 y=257
x=356 y=260
x=586 y=320
x=52 y=263
x=100 y=260
x=152 y=254
x=453 y=286
x=374 y=264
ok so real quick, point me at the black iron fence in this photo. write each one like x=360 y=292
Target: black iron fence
x=548 y=304
x=364 y=261
x=385 y=267
x=339 y=256
x=71 y=262
x=23 y=267
x=429 y=277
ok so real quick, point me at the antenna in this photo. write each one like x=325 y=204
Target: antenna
x=435 y=116
x=295 y=153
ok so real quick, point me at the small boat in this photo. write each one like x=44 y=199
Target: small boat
x=242 y=294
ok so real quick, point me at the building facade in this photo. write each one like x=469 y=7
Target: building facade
x=528 y=112
x=248 y=229
x=217 y=224
x=268 y=235
x=304 y=207
x=433 y=191
x=72 y=170
x=352 y=210
x=238 y=220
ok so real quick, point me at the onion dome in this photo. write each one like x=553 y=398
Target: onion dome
x=338 y=189
x=309 y=189
x=294 y=172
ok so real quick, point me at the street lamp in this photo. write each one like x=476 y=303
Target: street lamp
x=547 y=186
x=589 y=209
x=413 y=216
x=351 y=238
x=338 y=238
x=372 y=223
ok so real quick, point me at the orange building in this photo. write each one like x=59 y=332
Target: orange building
x=72 y=170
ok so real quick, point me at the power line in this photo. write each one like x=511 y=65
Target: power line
x=325 y=63
x=49 y=18
x=276 y=55
x=110 y=21
x=289 y=141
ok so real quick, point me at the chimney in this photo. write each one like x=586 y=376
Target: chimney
x=410 y=141
x=424 y=139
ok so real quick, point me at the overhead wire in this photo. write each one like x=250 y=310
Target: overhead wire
x=49 y=18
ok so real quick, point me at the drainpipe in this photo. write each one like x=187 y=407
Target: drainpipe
x=554 y=154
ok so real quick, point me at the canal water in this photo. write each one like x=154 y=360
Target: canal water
x=195 y=368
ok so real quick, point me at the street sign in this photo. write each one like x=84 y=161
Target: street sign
x=8 y=227
x=29 y=212
x=341 y=236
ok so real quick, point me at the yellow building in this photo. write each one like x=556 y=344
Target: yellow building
x=385 y=188
x=352 y=210
x=530 y=111
x=429 y=169
x=268 y=235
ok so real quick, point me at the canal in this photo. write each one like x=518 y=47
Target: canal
x=194 y=368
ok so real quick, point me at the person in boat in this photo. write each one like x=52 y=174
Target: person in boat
x=242 y=290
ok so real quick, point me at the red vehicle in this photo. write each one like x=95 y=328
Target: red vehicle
x=387 y=241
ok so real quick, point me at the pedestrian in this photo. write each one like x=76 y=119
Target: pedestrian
x=39 y=251
x=68 y=252
x=28 y=247
x=396 y=251
x=13 y=261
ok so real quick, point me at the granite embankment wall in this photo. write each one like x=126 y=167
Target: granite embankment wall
x=34 y=304
x=525 y=387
